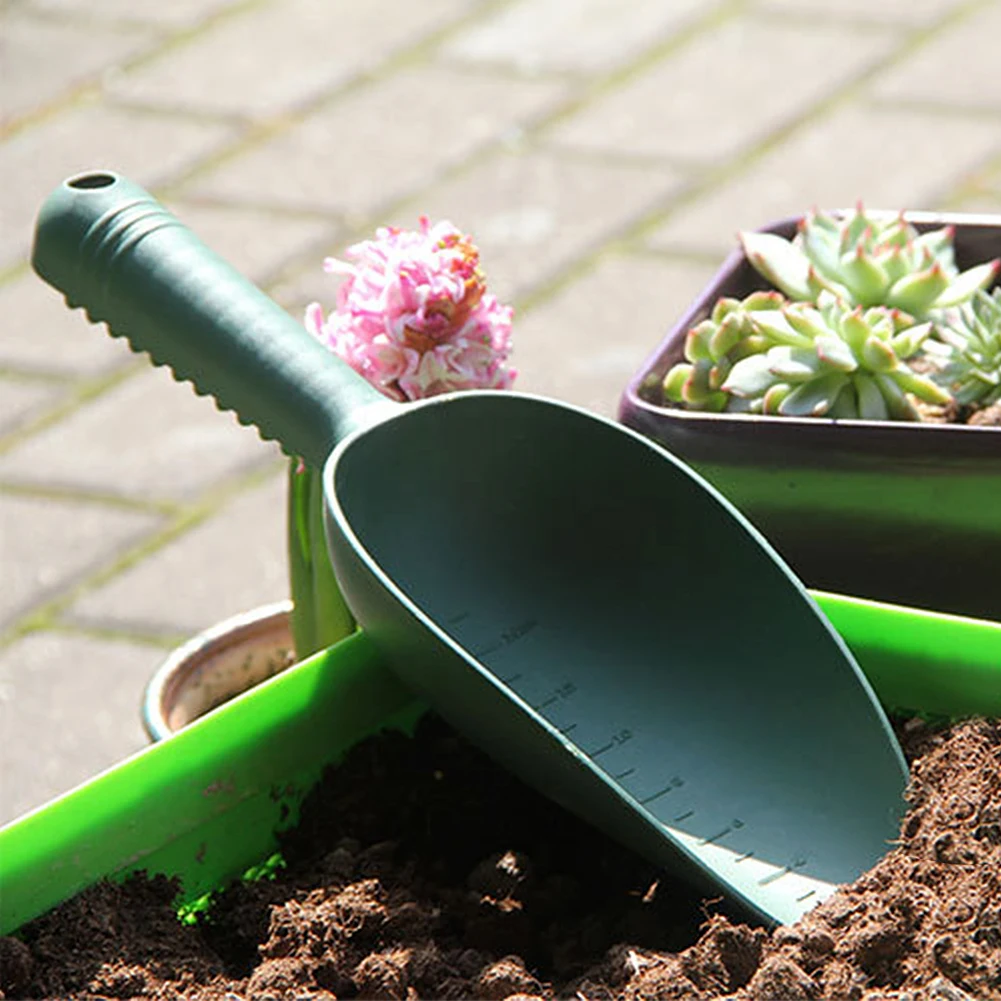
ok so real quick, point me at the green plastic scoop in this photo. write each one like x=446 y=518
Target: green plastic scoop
x=569 y=595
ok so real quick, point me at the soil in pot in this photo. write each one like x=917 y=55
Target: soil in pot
x=420 y=870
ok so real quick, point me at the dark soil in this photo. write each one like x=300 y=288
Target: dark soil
x=420 y=870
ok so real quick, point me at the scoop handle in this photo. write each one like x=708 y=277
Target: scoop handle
x=111 y=248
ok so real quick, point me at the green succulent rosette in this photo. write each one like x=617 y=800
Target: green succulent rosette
x=867 y=259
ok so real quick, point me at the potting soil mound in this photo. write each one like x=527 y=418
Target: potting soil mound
x=420 y=870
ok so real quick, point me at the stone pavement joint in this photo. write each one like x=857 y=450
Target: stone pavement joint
x=602 y=152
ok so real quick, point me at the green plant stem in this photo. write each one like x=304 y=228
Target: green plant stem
x=320 y=616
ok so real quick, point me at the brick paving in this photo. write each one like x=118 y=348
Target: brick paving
x=602 y=152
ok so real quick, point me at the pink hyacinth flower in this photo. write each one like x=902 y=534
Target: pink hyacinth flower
x=413 y=315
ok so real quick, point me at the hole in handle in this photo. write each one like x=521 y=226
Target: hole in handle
x=87 y=181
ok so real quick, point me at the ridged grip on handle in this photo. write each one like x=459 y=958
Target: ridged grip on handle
x=111 y=248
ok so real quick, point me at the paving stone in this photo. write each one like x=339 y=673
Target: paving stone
x=21 y=401
x=957 y=66
x=47 y=544
x=274 y=57
x=230 y=563
x=175 y=14
x=146 y=438
x=257 y=243
x=695 y=105
x=890 y=159
x=584 y=344
x=903 y=11
x=45 y=59
x=572 y=35
x=150 y=149
x=534 y=214
x=345 y=159
x=40 y=334
x=69 y=709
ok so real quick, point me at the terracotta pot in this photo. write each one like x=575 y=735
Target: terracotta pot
x=217 y=665
x=896 y=511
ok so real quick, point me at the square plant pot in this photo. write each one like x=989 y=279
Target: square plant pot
x=896 y=511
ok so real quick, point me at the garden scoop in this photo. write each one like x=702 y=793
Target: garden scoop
x=568 y=595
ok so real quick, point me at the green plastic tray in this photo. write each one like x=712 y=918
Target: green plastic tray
x=205 y=805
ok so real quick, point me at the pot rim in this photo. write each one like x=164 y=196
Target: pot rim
x=212 y=641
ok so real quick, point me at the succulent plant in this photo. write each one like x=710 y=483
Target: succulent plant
x=835 y=360
x=867 y=259
x=967 y=345
x=713 y=346
x=770 y=356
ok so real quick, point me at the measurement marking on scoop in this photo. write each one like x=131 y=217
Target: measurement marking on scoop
x=805 y=896
x=482 y=651
x=797 y=863
x=564 y=691
x=676 y=783
x=510 y=635
x=771 y=877
x=735 y=825
x=618 y=739
x=657 y=794
x=715 y=837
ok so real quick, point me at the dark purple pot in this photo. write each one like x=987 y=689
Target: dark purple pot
x=896 y=511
